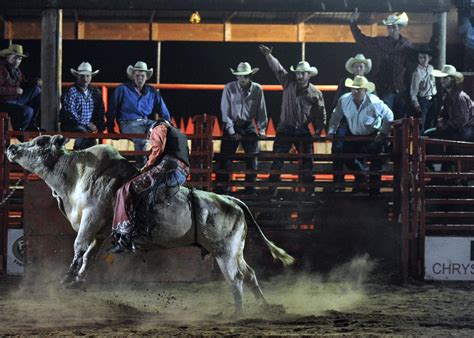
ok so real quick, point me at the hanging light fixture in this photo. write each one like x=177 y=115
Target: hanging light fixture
x=195 y=17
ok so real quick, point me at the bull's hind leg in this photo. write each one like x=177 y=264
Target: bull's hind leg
x=228 y=265
x=250 y=279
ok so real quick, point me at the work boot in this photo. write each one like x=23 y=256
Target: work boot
x=121 y=243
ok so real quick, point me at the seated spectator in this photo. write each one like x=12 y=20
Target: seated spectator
x=456 y=119
x=423 y=89
x=364 y=114
x=242 y=102
x=136 y=106
x=22 y=103
x=82 y=107
x=302 y=103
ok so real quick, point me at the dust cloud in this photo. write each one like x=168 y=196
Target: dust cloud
x=43 y=300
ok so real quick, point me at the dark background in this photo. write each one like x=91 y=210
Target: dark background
x=202 y=62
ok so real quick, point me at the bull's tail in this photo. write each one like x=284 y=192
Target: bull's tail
x=277 y=252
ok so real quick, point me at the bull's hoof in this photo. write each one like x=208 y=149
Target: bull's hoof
x=67 y=279
x=274 y=309
x=238 y=314
x=77 y=284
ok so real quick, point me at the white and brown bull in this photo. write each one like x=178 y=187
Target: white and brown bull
x=85 y=183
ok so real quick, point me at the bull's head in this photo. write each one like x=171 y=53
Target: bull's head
x=41 y=152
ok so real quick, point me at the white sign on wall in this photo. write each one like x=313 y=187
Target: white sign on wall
x=449 y=258
x=15 y=252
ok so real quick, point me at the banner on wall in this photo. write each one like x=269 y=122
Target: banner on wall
x=449 y=258
x=15 y=252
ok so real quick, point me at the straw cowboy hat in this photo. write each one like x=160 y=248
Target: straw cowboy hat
x=303 y=66
x=14 y=49
x=449 y=70
x=244 y=68
x=360 y=82
x=140 y=66
x=84 y=68
x=359 y=58
x=400 y=19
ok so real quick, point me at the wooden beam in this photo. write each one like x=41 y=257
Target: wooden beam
x=116 y=31
x=300 y=32
x=70 y=31
x=51 y=64
x=190 y=32
x=228 y=32
x=80 y=30
x=264 y=33
x=23 y=30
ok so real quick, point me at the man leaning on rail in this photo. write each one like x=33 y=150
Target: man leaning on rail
x=362 y=114
x=242 y=102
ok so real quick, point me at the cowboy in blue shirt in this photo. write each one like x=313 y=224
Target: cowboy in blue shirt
x=135 y=106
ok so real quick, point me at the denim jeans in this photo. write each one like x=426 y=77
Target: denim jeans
x=361 y=147
x=396 y=101
x=427 y=114
x=24 y=110
x=304 y=145
x=229 y=147
x=140 y=126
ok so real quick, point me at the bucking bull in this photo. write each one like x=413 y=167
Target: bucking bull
x=85 y=182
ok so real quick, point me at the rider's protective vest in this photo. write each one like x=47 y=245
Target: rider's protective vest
x=177 y=145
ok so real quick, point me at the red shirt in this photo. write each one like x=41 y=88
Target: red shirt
x=8 y=85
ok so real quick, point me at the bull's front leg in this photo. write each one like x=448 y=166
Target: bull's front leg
x=72 y=271
x=83 y=247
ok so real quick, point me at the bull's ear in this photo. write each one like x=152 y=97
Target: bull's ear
x=58 y=141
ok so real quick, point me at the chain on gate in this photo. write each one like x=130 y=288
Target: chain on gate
x=15 y=187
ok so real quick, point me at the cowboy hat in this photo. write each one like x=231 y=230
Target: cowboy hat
x=359 y=58
x=14 y=49
x=400 y=19
x=360 y=82
x=140 y=66
x=84 y=68
x=244 y=68
x=449 y=70
x=303 y=66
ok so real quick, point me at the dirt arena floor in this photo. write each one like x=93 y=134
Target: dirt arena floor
x=349 y=300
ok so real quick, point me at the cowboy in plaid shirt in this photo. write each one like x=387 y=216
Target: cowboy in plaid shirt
x=82 y=107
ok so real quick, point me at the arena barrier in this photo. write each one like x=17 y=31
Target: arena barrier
x=293 y=208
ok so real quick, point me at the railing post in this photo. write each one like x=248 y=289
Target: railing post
x=4 y=189
x=414 y=235
x=202 y=150
x=422 y=208
x=405 y=198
